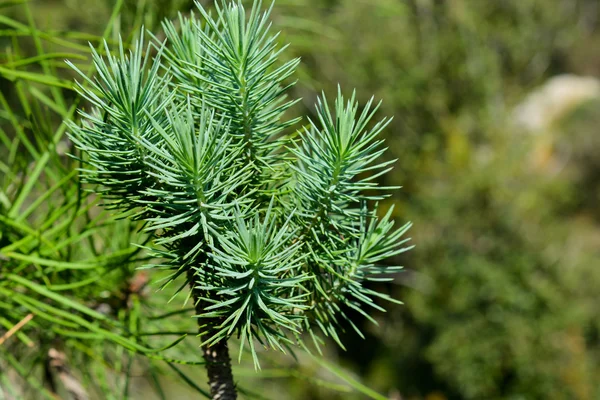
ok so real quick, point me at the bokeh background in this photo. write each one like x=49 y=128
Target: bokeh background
x=495 y=129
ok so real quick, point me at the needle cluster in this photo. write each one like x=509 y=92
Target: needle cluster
x=276 y=234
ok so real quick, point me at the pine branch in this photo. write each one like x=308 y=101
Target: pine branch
x=192 y=143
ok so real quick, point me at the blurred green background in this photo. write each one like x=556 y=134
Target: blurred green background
x=495 y=107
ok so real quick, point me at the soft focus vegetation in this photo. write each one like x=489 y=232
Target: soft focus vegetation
x=501 y=291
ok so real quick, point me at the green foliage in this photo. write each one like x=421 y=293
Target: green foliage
x=501 y=294
x=125 y=95
x=504 y=300
x=259 y=282
x=273 y=233
x=63 y=264
x=76 y=317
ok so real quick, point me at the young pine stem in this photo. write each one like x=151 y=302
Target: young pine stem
x=218 y=367
x=216 y=355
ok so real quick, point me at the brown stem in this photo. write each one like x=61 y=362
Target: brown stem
x=216 y=356
x=218 y=367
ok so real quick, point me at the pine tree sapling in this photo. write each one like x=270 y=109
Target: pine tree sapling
x=275 y=234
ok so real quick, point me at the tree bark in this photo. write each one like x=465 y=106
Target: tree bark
x=218 y=367
x=216 y=356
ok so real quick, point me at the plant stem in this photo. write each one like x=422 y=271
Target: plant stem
x=216 y=356
x=218 y=367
